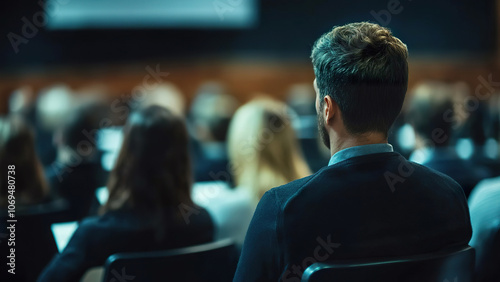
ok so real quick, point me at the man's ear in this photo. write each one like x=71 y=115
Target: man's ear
x=330 y=108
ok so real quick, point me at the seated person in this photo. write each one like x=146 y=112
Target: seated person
x=432 y=116
x=149 y=205
x=77 y=171
x=485 y=217
x=481 y=127
x=263 y=152
x=211 y=112
x=28 y=193
x=369 y=202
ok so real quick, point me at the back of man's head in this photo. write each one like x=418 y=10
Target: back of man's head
x=364 y=69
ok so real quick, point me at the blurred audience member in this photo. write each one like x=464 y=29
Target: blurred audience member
x=22 y=102
x=484 y=205
x=166 y=95
x=263 y=148
x=53 y=105
x=480 y=128
x=369 y=201
x=301 y=98
x=431 y=113
x=77 y=170
x=211 y=112
x=17 y=148
x=149 y=205
x=27 y=196
x=263 y=152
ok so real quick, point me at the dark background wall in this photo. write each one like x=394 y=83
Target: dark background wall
x=285 y=29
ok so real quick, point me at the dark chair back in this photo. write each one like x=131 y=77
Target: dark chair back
x=214 y=261
x=451 y=266
x=487 y=264
x=34 y=244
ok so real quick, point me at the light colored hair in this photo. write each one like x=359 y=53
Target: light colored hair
x=263 y=148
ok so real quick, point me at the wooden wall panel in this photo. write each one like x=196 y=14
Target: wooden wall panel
x=243 y=78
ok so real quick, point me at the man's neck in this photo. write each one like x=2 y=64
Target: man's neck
x=340 y=143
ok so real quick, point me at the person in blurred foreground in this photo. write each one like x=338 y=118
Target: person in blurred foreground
x=263 y=152
x=210 y=115
x=485 y=217
x=24 y=191
x=369 y=201
x=17 y=148
x=77 y=171
x=147 y=188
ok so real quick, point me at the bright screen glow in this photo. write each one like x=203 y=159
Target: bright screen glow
x=78 y=14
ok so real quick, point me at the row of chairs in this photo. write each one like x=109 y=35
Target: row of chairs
x=217 y=262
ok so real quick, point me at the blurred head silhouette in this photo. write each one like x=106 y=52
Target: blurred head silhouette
x=53 y=105
x=153 y=169
x=166 y=95
x=74 y=138
x=431 y=113
x=211 y=112
x=361 y=79
x=263 y=149
x=301 y=98
x=17 y=147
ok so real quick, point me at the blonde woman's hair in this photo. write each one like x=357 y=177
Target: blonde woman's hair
x=263 y=148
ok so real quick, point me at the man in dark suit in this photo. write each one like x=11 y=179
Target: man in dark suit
x=369 y=201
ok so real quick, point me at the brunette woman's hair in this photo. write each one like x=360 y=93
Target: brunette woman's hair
x=153 y=167
x=17 y=151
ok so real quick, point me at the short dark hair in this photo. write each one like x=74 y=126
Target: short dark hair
x=364 y=68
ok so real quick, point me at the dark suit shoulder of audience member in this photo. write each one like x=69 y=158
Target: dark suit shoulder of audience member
x=466 y=172
x=426 y=212
x=484 y=204
x=149 y=201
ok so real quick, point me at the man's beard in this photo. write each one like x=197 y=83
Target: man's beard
x=323 y=134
